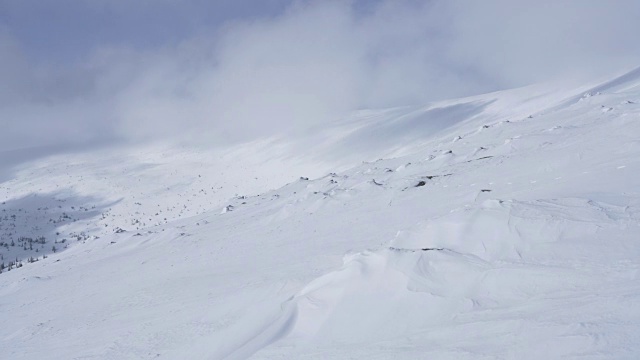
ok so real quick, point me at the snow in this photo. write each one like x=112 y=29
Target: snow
x=516 y=240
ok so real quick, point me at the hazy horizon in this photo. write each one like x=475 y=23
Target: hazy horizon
x=97 y=71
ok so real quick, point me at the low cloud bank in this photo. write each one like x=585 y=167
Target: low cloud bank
x=307 y=64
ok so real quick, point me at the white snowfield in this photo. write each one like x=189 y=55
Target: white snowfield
x=502 y=226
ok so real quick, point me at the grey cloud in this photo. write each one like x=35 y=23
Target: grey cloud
x=520 y=42
x=273 y=68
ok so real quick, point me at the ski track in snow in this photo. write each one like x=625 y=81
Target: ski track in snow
x=498 y=226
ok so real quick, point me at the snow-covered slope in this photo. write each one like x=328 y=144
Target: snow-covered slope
x=54 y=201
x=499 y=226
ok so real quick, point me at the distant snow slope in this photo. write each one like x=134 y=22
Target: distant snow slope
x=499 y=226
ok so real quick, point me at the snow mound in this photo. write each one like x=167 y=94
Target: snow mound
x=501 y=229
x=452 y=264
x=381 y=294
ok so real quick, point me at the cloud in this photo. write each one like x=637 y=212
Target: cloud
x=311 y=64
x=524 y=42
x=278 y=70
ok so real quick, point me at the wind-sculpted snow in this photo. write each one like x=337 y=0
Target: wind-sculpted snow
x=456 y=264
x=499 y=229
x=510 y=232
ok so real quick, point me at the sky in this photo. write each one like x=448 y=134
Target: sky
x=83 y=72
